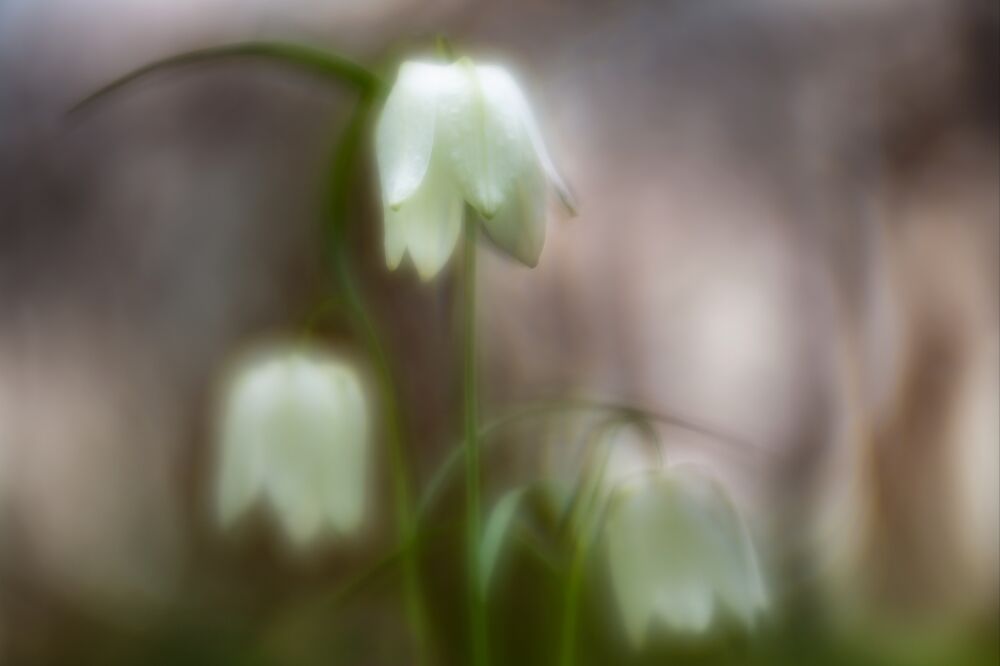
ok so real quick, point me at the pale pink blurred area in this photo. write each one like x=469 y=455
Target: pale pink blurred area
x=90 y=434
x=788 y=231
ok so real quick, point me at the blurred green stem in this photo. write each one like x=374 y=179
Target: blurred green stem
x=584 y=546
x=473 y=480
x=536 y=410
x=571 y=603
x=589 y=488
x=343 y=168
x=306 y=58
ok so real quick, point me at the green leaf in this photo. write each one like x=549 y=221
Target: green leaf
x=313 y=60
x=495 y=535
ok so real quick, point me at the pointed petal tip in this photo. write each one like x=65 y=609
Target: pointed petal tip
x=487 y=212
x=528 y=253
x=393 y=256
x=568 y=200
x=427 y=273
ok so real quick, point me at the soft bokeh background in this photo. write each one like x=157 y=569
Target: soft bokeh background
x=789 y=230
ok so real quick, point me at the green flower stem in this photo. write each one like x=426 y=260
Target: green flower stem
x=571 y=604
x=343 y=168
x=403 y=496
x=541 y=409
x=587 y=491
x=473 y=480
x=582 y=546
x=345 y=592
x=315 y=61
x=574 y=582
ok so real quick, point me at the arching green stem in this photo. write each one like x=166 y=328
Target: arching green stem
x=582 y=548
x=309 y=59
x=584 y=525
x=545 y=408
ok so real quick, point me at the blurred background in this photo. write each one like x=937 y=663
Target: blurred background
x=789 y=230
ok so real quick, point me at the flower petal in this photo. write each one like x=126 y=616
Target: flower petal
x=427 y=224
x=731 y=562
x=542 y=155
x=631 y=562
x=482 y=131
x=396 y=236
x=295 y=475
x=346 y=487
x=404 y=136
x=518 y=228
x=242 y=443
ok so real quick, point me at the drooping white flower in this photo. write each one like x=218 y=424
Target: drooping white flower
x=678 y=550
x=294 y=433
x=456 y=133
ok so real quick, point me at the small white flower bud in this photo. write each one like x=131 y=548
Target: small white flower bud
x=456 y=133
x=677 y=549
x=294 y=433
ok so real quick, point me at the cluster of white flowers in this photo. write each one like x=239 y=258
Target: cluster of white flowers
x=294 y=424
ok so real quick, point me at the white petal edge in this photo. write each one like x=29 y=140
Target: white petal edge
x=404 y=135
x=504 y=90
x=239 y=458
x=428 y=223
x=519 y=226
x=481 y=133
x=346 y=491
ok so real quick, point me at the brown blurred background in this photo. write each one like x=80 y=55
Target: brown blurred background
x=789 y=229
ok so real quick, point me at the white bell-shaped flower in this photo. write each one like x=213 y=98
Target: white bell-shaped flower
x=294 y=433
x=456 y=133
x=678 y=549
